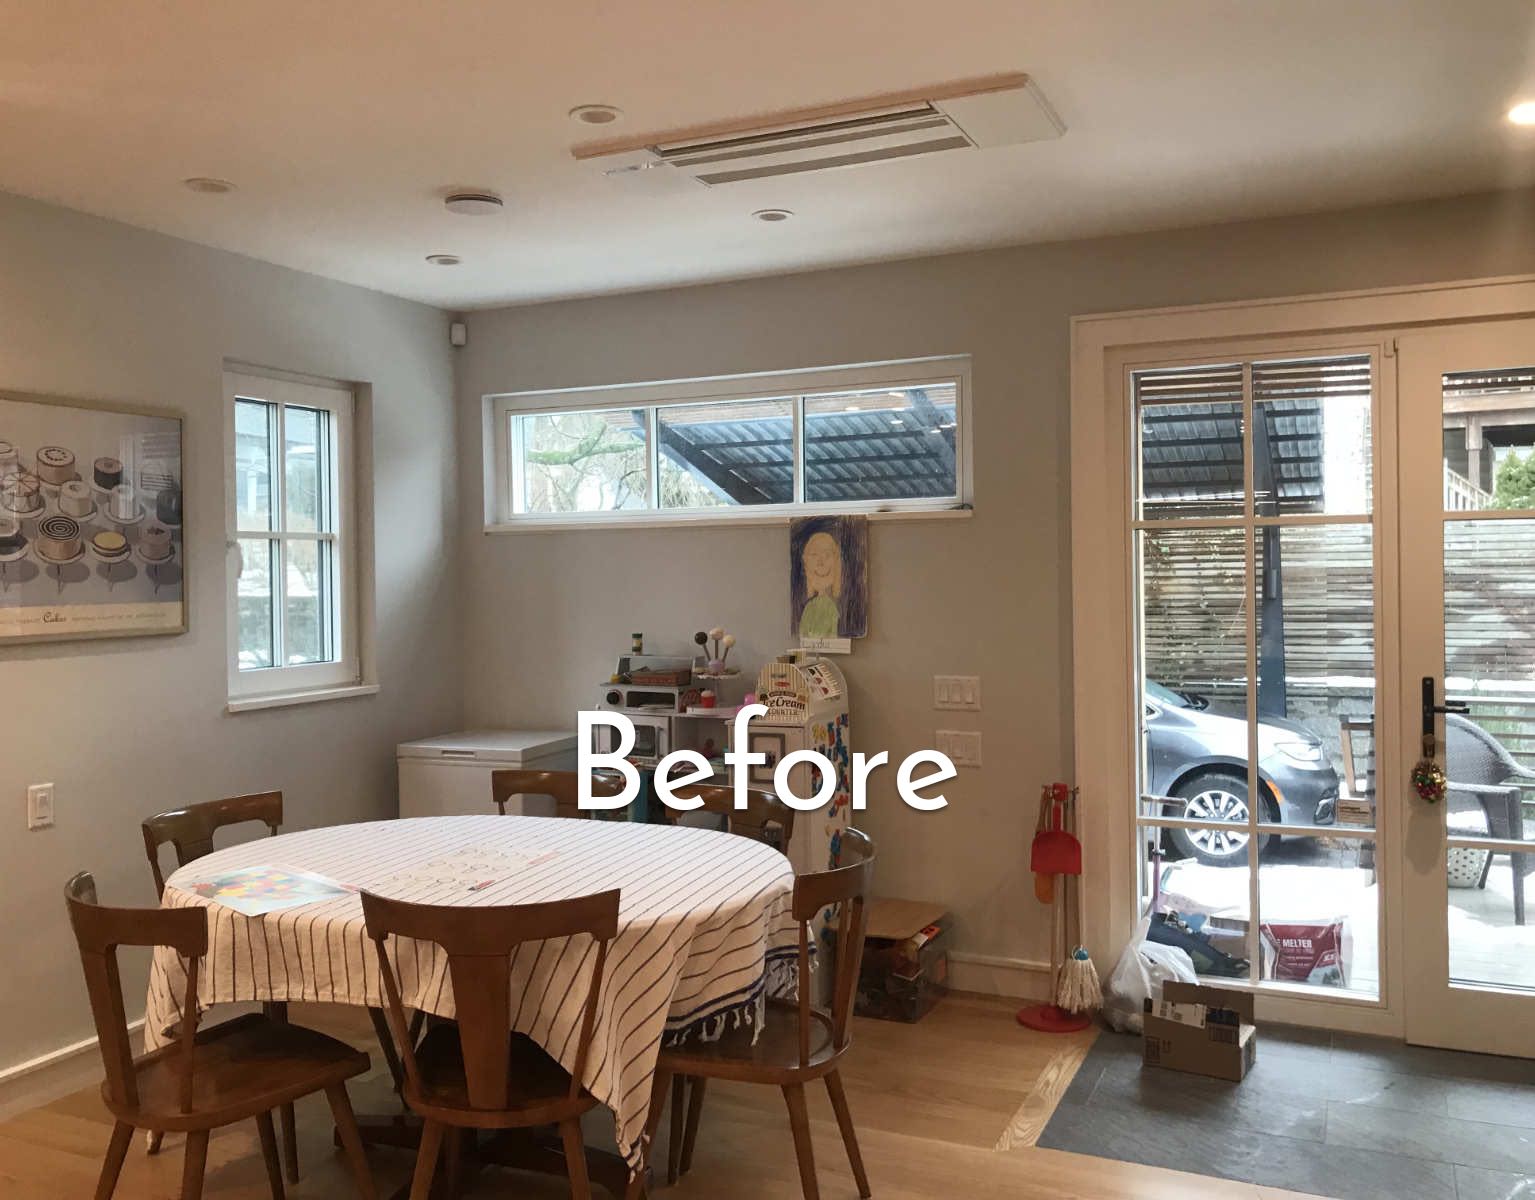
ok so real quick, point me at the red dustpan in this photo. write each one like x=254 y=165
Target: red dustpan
x=1056 y=852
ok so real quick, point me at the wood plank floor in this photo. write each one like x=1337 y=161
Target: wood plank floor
x=932 y=1102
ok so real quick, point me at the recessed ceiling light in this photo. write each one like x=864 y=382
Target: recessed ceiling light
x=1523 y=113
x=444 y=260
x=595 y=114
x=772 y=214
x=473 y=204
x=208 y=186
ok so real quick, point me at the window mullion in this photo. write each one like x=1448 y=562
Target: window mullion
x=279 y=529
x=1250 y=631
x=799 y=449
x=330 y=566
x=653 y=458
x=515 y=474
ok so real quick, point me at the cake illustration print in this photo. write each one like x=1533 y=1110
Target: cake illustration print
x=91 y=507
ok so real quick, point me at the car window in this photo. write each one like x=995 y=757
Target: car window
x=1165 y=696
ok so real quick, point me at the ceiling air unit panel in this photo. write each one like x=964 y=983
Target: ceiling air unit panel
x=999 y=111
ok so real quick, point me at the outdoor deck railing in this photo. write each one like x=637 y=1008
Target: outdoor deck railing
x=1461 y=495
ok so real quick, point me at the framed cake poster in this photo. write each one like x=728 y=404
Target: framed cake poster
x=90 y=521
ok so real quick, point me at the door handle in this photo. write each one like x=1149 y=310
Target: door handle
x=1432 y=709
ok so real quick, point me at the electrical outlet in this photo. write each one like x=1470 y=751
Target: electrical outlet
x=40 y=806
x=963 y=746
x=962 y=692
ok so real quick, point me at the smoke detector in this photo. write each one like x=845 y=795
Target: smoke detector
x=444 y=260
x=978 y=114
x=473 y=204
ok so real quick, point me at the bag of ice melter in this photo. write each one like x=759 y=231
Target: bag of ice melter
x=1305 y=952
x=1139 y=975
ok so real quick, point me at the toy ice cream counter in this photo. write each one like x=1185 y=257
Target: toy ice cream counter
x=807 y=703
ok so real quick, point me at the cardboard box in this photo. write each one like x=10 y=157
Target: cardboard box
x=905 y=960
x=1202 y=1030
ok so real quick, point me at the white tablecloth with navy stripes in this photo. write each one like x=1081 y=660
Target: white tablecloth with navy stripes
x=704 y=927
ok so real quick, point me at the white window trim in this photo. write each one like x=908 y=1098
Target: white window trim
x=1104 y=702
x=500 y=466
x=273 y=686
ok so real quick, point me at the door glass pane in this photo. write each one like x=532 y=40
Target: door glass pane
x=1318 y=905
x=1489 y=440
x=1193 y=626
x=256 y=604
x=254 y=432
x=1191 y=442
x=1488 y=943
x=720 y=455
x=306 y=469
x=1311 y=436
x=882 y=444
x=307 y=621
x=1203 y=910
x=1316 y=671
x=1489 y=652
x=1489 y=661
x=584 y=461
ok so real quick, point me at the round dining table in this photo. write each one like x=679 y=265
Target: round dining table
x=705 y=932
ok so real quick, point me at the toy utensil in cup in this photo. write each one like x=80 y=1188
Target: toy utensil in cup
x=1044 y=884
x=1050 y=1017
x=1078 y=989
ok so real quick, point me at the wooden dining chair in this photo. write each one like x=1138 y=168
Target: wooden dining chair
x=189 y=831
x=799 y=1043
x=561 y=785
x=765 y=819
x=208 y=1078
x=474 y=1073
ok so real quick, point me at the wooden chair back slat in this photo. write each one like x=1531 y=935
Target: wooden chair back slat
x=482 y=1004
x=190 y=830
x=561 y=785
x=847 y=886
x=765 y=819
x=99 y=931
x=479 y=943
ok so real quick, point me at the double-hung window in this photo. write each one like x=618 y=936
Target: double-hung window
x=292 y=577
x=890 y=437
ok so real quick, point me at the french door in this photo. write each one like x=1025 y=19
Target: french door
x=1334 y=555
x=1466 y=475
x=1263 y=555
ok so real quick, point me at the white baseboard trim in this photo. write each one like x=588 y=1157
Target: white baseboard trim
x=996 y=975
x=45 y=1078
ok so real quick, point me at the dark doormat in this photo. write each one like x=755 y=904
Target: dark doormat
x=1330 y=1114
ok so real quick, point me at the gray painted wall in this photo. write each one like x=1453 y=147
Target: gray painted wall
x=547 y=612
x=90 y=308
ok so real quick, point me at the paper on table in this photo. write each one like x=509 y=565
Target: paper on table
x=471 y=869
x=255 y=891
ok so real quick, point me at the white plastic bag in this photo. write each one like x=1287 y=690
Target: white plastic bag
x=1139 y=975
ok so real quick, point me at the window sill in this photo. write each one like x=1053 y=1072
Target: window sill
x=691 y=521
x=239 y=704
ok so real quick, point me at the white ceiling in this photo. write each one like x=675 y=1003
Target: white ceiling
x=343 y=121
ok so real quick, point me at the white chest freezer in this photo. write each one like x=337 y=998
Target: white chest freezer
x=449 y=776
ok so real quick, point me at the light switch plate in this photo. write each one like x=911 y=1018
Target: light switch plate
x=962 y=746
x=959 y=692
x=40 y=806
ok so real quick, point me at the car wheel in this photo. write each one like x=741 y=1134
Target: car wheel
x=1214 y=796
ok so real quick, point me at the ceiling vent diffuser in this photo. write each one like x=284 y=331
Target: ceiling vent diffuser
x=978 y=114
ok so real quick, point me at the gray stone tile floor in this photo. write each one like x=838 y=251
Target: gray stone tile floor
x=1335 y=1115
